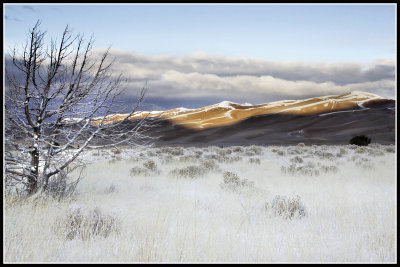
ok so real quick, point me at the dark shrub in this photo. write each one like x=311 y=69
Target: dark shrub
x=360 y=140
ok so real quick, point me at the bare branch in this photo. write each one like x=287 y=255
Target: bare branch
x=60 y=97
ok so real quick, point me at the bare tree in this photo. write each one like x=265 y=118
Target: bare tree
x=59 y=100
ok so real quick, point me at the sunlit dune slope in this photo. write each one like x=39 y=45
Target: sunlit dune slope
x=228 y=113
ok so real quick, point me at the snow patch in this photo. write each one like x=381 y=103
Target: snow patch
x=225 y=104
x=247 y=104
x=364 y=94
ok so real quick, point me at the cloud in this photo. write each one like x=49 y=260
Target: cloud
x=201 y=79
x=340 y=73
x=207 y=77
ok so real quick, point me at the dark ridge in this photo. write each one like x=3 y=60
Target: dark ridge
x=381 y=103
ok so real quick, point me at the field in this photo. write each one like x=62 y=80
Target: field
x=232 y=204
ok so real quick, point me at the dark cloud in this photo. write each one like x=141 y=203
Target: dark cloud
x=380 y=72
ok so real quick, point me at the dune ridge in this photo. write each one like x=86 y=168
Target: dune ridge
x=228 y=113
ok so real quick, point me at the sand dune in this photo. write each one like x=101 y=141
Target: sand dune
x=229 y=113
x=333 y=119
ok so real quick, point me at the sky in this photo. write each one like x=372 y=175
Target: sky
x=195 y=55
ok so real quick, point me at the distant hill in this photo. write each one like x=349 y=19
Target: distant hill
x=332 y=119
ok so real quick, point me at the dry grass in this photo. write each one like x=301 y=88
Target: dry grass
x=237 y=212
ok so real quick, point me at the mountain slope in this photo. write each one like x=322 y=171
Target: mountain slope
x=378 y=122
x=330 y=119
x=228 y=113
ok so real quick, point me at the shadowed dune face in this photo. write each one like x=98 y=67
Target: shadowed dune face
x=228 y=113
x=285 y=129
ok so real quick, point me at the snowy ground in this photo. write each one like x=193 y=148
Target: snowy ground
x=234 y=204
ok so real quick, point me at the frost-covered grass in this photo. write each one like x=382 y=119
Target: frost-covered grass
x=235 y=204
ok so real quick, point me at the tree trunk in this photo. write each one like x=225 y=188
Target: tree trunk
x=34 y=172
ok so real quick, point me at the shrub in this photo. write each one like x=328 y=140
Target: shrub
x=151 y=154
x=210 y=165
x=249 y=153
x=110 y=189
x=229 y=159
x=85 y=226
x=175 y=151
x=150 y=165
x=212 y=156
x=116 y=151
x=255 y=149
x=361 y=150
x=237 y=149
x=149 y=168
x=287 y=207
x=341 y=152
x=281 y=152
x=364 y=163
x=297 y=159
x=354 y=158
x=192 y=171
x=327 y=169
x=360 y=140
x=224 y=152
x=198 y=153
x=296 y=150
x=324 y=155
x=375 y=152
x=139 y=171
x=187 y=158
x=310 y=164
x=390 y=149
x=168 y=159
x=231 y=178
x=60 y=186
x=255 y=160
x=223 y=158
x=234 y=183
x=307 y=169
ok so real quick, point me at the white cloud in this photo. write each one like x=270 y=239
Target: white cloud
x=247 y=79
